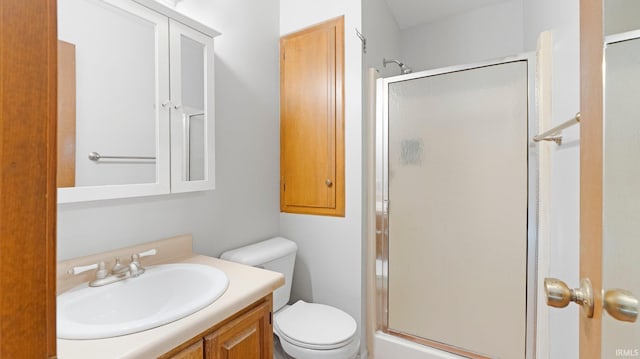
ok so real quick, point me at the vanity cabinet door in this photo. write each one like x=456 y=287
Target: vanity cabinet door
x=196 y=351
x=192 y=99
x=249 y=336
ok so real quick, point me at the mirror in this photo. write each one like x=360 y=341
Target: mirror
x=621 y=16
x=192 y=93
x=621 y=169
x=193 y=88
x=129 y=76
x=115 y=95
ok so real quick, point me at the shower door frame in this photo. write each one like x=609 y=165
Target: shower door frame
x=382 y=201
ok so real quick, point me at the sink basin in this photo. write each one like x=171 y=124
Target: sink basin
x=163 y=294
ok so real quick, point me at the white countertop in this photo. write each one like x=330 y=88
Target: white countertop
x=246 y=286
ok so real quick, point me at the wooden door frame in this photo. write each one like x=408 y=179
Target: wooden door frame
x=591 y=130
x=28 y=105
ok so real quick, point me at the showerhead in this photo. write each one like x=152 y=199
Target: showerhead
x=404 y=69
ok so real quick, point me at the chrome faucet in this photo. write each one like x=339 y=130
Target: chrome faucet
x=119 y=268
x=117 y=273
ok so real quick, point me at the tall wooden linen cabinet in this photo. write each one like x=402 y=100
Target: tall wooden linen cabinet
x=312 y=179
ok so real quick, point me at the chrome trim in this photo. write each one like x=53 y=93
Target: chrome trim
x=532 y=212
x=382 y=267
x=456 y=68
x=438 y=345
x=382 y=190
x=623 y=36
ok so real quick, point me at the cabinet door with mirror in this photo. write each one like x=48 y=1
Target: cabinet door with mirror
x=135 y=101
x=620 y=176
x=192 y=94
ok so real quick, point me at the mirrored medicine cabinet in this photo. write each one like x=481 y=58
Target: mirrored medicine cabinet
x=136 y=101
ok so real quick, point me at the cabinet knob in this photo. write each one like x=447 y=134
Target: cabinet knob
x=328 y=182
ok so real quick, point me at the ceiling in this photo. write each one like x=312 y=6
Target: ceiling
x=409 y=13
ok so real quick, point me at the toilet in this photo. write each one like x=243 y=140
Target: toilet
x=306 y=330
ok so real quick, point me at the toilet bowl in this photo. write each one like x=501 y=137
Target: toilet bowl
x=306 y=330
x=310 y=331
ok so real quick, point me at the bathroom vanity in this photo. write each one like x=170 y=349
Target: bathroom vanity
x=238 y=323
x=247 y=334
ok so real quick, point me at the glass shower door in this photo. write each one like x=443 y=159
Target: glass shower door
x=457 y=182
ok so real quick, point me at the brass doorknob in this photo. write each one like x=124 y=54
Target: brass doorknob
x=621 y=305
x=328 y=182
x=559 y=295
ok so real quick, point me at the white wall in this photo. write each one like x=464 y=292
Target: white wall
x=328 y=267
x=562 y=17
x=383 y=37
x=244 y=207
x=486 y=33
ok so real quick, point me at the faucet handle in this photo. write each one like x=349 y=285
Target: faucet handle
x=81 y=269
x=150 y=252
x=100 y=273
x=135 y=258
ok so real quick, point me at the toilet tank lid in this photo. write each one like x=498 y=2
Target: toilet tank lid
x=261 y=252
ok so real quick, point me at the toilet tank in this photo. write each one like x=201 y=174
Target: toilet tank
x=276 y=254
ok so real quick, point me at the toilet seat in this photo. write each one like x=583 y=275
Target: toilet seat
x=315 y=326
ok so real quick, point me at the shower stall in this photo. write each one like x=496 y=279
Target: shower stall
x=456 y=200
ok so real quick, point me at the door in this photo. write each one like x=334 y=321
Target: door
x=28 y=51
x=609 y=246
x=610 y=250
x=192 y=109
x=311 y=120
x=450 y=175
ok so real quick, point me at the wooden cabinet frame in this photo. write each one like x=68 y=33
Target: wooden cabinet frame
x=28 y=111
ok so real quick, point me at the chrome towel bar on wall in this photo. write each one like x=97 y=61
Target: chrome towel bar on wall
x=554 y=133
